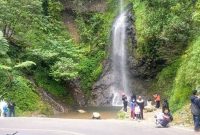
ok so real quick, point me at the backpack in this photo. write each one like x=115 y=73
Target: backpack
x=195 y=109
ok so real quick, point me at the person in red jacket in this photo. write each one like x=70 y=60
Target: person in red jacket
x=157 y=100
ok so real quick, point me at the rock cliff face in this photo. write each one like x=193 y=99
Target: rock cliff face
x=101 y=89
x=77 y=93
x=101 y=95
x=85 y=6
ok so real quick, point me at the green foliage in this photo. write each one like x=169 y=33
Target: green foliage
x=53 y=87
x=3 y=45
x=65 y=69
x=25 y=64
x=196 y=14
x=122 y=115
x=94 y=29
x=90 y=70
x=54 y=8
x=44 y=36
x=161 y=25
x=23 y=95
x=164 y=30
x=19 y=16
x=165 y=79
x=188 y=75
x=3 y=67
x=45 y=6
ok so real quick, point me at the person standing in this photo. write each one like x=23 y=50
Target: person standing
x=125 y=102
x=165 y=105
x=195 y=110
x=157 y=100
x=4 y=108
x=140 y=103
x=133 y=104
x=11 y=107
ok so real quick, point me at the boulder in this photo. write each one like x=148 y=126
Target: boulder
x=149 y=108
x=96 y=115
x=81 y=111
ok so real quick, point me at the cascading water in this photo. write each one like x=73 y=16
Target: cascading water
x=119 y=58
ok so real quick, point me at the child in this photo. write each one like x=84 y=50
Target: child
x=137 y=111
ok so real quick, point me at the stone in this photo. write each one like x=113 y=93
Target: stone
x=81 y=111
x=96 y=115
x=149 y=108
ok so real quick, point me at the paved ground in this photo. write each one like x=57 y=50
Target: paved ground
x=52 y=126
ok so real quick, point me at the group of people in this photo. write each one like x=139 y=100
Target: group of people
x=163 y=118
x=7 y=109
x=137 y=106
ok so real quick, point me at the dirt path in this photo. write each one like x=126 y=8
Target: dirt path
x=70 y=24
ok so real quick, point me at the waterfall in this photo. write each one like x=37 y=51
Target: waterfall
x=119 y=58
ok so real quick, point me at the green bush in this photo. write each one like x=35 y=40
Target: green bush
x=25 y=97
x=89 y=72
x=122 y=115
x=161 y=26
x=164 y=80
x=53 y=87
x=187 y=77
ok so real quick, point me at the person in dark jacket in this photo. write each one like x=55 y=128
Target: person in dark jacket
x=140 y=102
x=125 y=102
x=11 y=107
x=165 y=105
x=195 y=109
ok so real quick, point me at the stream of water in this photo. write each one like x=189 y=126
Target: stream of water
x=119 y=58
x=106 y=113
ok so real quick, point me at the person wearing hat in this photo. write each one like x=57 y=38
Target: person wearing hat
x=195 y=109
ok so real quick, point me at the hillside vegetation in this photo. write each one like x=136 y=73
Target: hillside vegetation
x=168 y=37
x=34 y=42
